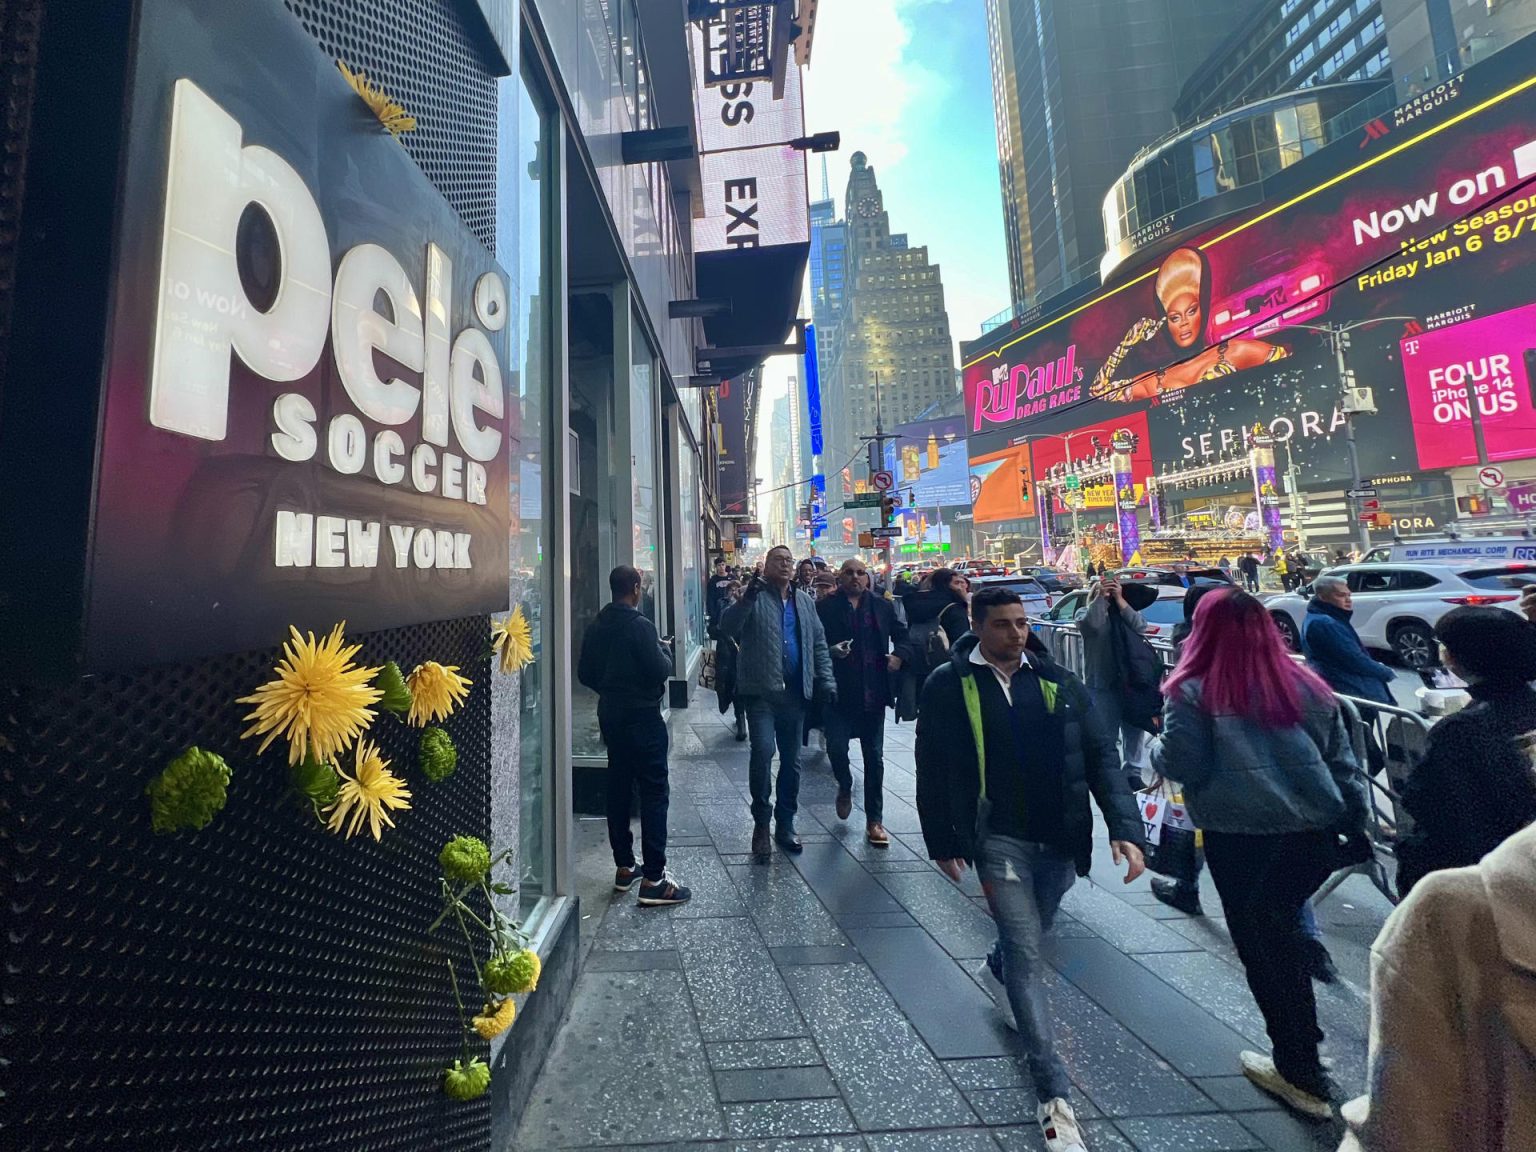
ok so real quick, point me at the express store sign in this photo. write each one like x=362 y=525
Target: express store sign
x=306 y=416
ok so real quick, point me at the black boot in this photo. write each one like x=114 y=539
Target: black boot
x=1184 y=897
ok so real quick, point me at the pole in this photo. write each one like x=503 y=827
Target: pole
x=1361 y=533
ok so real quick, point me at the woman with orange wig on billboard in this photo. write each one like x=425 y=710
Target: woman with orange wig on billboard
x=1183 y=291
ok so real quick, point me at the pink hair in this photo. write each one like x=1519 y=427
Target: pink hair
x=1243 y=664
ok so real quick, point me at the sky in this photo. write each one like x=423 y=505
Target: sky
x=908 y=83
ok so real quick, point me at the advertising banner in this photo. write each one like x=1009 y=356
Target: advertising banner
x=1433 y=228
x=734 y=472
x=929 y=459
x=305 y=414
x=1002 y=486
x=1094 y=442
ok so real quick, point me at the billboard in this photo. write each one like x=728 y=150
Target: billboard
x=731 y=401
x=1433 y=228
x=929 y=460
x=1002 y=486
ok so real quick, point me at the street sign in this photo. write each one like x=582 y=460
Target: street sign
x=866 y=540
x=883 y=481
x=895 y=498
x=1073 y=483
x=864 y=500
x=891 y=533
x=1357 y=493
x=1371 y=505
x=1490 y=476
x=1522 y=498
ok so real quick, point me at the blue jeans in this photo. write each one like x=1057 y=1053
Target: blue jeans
x=869 y=727
x=771 y=720
x=1024 y=884
x=636 y=739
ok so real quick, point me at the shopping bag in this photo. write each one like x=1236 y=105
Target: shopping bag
x=1154 y=811
x=707 y=672
x=1173 y=847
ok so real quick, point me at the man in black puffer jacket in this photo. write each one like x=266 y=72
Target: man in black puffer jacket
x=627 y=665
x=1008 y=749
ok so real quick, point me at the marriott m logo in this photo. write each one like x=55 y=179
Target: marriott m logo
x=1375 y=130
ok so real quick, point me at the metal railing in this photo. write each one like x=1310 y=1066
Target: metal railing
x=1386 y=738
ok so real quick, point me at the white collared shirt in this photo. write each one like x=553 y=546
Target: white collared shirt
x=1004 y=681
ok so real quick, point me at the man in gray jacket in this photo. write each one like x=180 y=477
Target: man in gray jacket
x=1101 y=664
x=783 y=663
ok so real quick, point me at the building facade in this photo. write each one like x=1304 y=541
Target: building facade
x=892 y=356
x=1078 y=87
x=391 y=354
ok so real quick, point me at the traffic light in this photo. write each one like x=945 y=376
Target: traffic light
x=887 y=511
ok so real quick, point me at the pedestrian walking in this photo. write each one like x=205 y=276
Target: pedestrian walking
x=718 y=593
x=1453 y=1014
x=1260 y=748
x=805 y=575
x=1105 y=661
x=1282 y=567
x=1334 y=651
x=1008 y=749
x=1248 y=565
x=937 y=615
x=1476 y=785
x=1225 y=564
x=782 y=664
x=865 y=639
x=627 y=665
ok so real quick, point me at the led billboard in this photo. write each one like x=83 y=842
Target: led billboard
x=1423 y=245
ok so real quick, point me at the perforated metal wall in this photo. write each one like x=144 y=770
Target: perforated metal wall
x=20 y=23
x=261 y=984
x=420 y=52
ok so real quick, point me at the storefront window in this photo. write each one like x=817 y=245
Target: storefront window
x=644 y=462
x=531 y=386
x=690 y=549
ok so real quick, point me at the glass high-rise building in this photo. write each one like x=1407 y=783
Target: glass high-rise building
x=1079 y=86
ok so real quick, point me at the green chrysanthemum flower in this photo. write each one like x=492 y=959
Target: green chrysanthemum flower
x=465 y=860
x=519 y=972
x=397 y=696
x=464 y=1081
x=436 y=755
x=316 y=782
x=189 y=792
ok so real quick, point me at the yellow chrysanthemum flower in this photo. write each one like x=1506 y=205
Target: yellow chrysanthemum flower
x=513 y=640
x=391 y=113
x=495 y=1018
x=368 y=794
x=436 y=691
x=320 y=701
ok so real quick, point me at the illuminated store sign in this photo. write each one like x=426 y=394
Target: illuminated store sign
x=305 y=416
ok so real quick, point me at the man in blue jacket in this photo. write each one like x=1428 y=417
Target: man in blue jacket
x=1333 y=648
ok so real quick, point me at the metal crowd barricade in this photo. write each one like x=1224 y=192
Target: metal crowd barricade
x=1400 y=736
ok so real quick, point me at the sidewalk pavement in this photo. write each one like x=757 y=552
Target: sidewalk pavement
x=828 y=1003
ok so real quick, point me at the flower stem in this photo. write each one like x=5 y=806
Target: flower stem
x=470 y=943
x=453 y=978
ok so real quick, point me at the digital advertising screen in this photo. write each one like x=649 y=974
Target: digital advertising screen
x=1421 y=241
x=929 y=460
x=999 y=483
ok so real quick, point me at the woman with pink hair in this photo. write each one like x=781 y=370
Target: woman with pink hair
x=1268 y=774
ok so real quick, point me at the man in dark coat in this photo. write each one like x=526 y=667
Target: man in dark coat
x=866 y=641
x=1333 y=648
x=1008 y=749
x=627 y=665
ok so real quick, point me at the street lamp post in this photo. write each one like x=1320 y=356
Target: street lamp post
x=1338 y=336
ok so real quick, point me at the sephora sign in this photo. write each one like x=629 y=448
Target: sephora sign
x=306 y=417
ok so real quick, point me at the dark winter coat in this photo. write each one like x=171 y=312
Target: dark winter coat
x=1476 y=785
x=942 y=604
x=836 y=614
x=1333 y=650
x=755 y=622
x=948 y=771
x=622 y=659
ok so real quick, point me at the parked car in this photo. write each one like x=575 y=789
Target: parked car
x=1396 y=606
x=1037 y=601
x=1161 y=615
x=1052 y=580
x=1174 y=575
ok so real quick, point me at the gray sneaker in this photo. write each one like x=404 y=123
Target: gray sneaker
x=999 y=994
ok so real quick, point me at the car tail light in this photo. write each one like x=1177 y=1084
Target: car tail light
x=1151 y=630
x=1479 y=601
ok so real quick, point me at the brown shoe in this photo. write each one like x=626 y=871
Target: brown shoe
x=878 y=836
x=762 y=843
x=844 y=804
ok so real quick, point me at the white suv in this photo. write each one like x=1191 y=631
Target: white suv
x=1398 y=605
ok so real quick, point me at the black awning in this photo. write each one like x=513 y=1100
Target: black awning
x=764 y=286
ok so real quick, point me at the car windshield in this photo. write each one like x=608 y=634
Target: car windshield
x=1506 y=576
x=1024 y=589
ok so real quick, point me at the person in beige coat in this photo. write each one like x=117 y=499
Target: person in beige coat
x=1453 y=1013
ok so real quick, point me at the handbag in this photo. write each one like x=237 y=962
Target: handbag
x=725 y=673
x=1173 y=841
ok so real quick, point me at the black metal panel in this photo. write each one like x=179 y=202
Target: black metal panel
x=262 y=984
x=422 y=52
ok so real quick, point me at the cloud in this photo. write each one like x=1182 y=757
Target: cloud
x=867 y=79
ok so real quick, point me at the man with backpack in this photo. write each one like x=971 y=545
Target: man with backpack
x=866 y=641
x=938 y=614
x=1008 y=750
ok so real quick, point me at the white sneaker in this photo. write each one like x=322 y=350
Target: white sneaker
x=1059 y=1126
x=1262 y=1071
x=999 y=995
